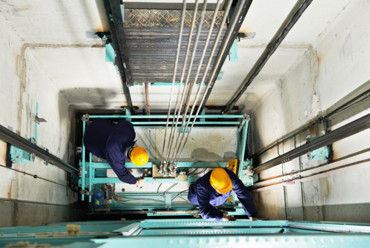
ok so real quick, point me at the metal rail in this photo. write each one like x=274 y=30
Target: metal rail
x=24 y=144
x=284 y=29
x=330 y=137
x=115 y=21
x=237 y=19
x=316 y=122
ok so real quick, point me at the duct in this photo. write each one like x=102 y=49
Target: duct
x=330 y=137
x=18 y=141
x=284 y=29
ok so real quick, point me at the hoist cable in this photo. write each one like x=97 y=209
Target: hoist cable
x=174 y=73
x=179 y=108
x=197 y=75
x=195 y=46
x=222 y=50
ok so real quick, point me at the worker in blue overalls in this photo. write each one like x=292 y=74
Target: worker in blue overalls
x=115 y=143
x=214 y=188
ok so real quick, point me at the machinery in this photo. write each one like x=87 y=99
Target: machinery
x=183 y=144
x=166 y=185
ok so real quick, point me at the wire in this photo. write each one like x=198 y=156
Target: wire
x=174 y=73
x=159 y=187
x=206 y=71
x=198 y=72
x=179 y=194
x=169 y=188
x=179 y=109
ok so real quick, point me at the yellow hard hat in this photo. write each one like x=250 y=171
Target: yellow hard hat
x=139 y=156
x=220 y=181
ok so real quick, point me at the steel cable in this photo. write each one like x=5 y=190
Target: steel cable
x=174 y=73
x=222 y=50
x=195 y=46
x=179 y=108
x=198 y=72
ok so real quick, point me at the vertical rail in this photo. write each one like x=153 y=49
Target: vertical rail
x=36 y=116
x=90 y=174
x=243 y=144
x=240 y=12
x=284 y=29
x=83 y=160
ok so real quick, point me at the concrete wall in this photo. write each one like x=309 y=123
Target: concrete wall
x=25 y=199
x=331 y=71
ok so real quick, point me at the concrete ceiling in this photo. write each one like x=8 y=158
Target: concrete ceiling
x=63 y=45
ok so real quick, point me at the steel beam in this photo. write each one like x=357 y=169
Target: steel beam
x=24 y=144
x=112 y=8
x=330 y=137
x=284 y=29
x=240 y=12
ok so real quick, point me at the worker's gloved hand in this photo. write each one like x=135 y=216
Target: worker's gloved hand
x=228 y=218
x=140 y=182
x=252 y=218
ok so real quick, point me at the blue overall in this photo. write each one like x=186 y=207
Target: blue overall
x=206 y=197
x=110 y=141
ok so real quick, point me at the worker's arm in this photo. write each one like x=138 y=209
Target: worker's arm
x=244 y=196
x=123 y=174
x=207 y=211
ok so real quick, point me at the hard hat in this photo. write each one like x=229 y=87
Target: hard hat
x=220 y=181
x=139 y=156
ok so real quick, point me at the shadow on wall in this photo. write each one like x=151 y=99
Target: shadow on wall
x=201 y=154
x=94 y=98
x=77 y=98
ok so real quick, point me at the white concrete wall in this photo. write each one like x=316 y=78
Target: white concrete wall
x=333 y=69
x=28 y=200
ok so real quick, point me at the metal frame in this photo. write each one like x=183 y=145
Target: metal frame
x=88 y=176
x=115 y=20
x=26 y=145
x=284 y=29
x=240 y=11
x=193 y=233
x=330 y=137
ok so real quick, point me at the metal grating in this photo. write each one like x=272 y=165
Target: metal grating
x=166 y=18
x=151 y=38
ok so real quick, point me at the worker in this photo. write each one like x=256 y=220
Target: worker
x=115 y=143
x=214 y=188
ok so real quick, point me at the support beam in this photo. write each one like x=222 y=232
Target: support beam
x=240 y=12
x=330 y=137
x=284 y=29
x=24 y=144
x=113 y=12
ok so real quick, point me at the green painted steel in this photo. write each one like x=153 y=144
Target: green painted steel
x=94 y=179
x=165 y=116
x=256 y=241
x=192 y=233
x=83 y=170
x=233 y=53
x=195 y=223
x=210 y=231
